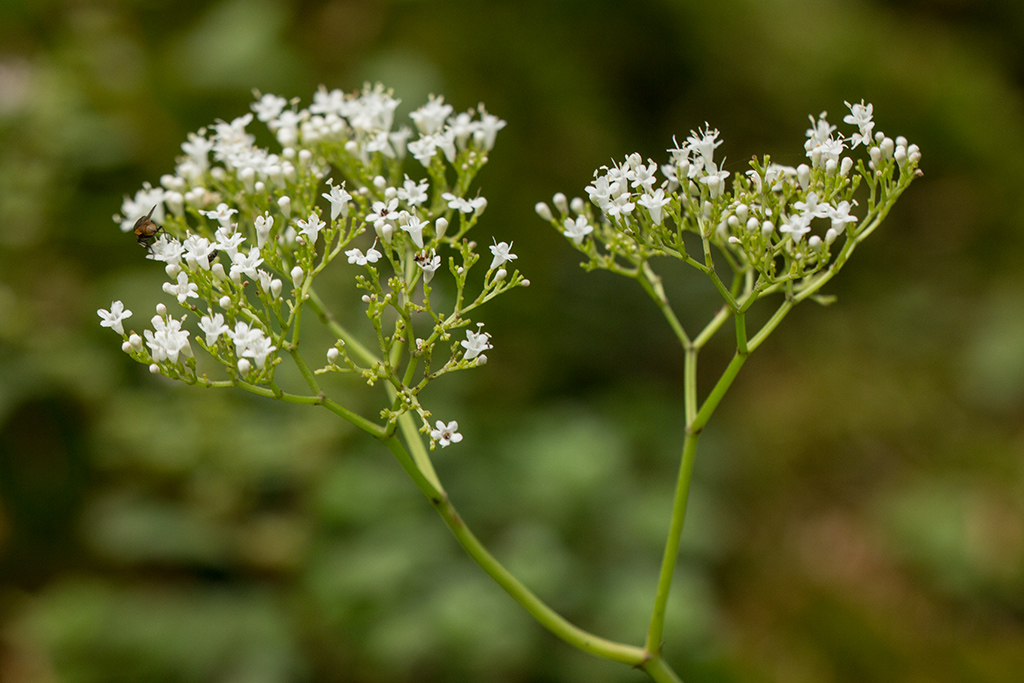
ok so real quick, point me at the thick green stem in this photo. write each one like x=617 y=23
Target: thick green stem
x=540 y=611
x=675 y=531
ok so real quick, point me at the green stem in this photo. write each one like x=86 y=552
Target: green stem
x=659 y=670
x=675 y=531
x=718 y=392
x=540 y=611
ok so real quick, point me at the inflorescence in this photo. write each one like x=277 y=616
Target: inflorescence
x=245 y=230
x=779 y=228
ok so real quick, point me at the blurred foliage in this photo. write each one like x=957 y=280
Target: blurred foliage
x=858 y=513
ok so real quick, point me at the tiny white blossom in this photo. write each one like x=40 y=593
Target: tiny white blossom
x=797 y=226
x=167 y=340
x=356 y=256
x=114 y=318
x=502 y=254
x=655 y=204
x=429 y=264
x=259 y=348
x=446 y=434
x=339 y=200
x=840 y=216
x=245 y=264
x=213 y=327
x=412 y=193
x=476 y=343
x=183 y=289
x=414 y=226
x=311 y=228
x=222 y=214
x=578 y=229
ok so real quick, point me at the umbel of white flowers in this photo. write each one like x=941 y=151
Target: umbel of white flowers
x=780 y=222
x=243 y=230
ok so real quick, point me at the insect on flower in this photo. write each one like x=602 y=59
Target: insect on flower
x=146 y=230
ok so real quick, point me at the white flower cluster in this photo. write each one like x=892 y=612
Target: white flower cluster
x=236 y=221
x=762 y=219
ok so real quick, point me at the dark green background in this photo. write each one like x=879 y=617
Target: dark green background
x=858 y=511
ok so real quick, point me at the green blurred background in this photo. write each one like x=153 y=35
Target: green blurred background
x=858 y=510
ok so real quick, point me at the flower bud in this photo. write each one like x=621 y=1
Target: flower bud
x=247 y=175
x=298 y=275
x=544 y=211
x=380 y=182
x=500 y=275
x=803 y=176
x=285 y=203
x=845 y=166
x=275 y=287
x=814 y=242
x=225 y=302
x=440 y=227
x=524 y=283
x=767 y=228
x=136 y=341
x=161 y=310
x=244 y=366
x=561 y=203
x=154 y=368
x=172 y=270
x=126 y=346
x=577 y=205
x=218 y=271
x=332 y=354
x=753 y=224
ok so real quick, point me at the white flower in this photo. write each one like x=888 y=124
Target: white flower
x=222 y=214
x=198 y=251
x=412 y=193
x=414 y=226
x=429 y=264
x=430 y=118
x=860 y=116
x=381 y=213
x=263 y=226
x=355 y=256
x=311 y=228
x=486 y=129
x=654 y=203
x=339 y=200
x=167 y=339
x=578 y=229
x=464 y=205
x=259 y=348
x=502 y=253
x=812 y=208
x=166 y=249
x=476 y=343
x=715 y=178
x=243 y=336
x=213 y=327
x=840 y=215
x=446 y=434
x=245 y=264
x=268 y=107
x=114 y=317
x=183 y=289
x=228 y=240
x=797 y=226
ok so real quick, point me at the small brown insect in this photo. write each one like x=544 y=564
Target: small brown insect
x=146 y=229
